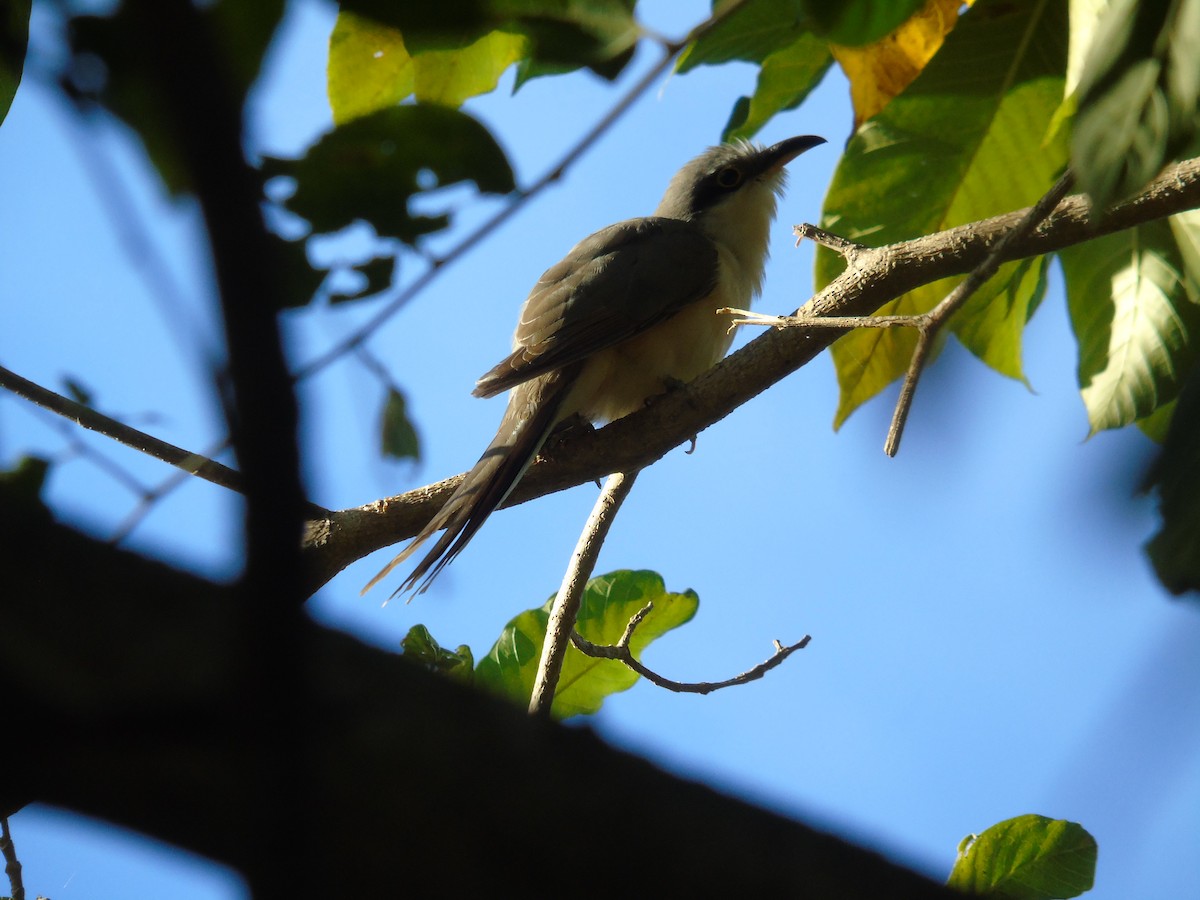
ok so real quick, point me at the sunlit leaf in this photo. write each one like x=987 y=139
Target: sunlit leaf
x=1027 y=858
x=398 y=437
x=599 y=34
x=998 y=78
x=786 y=77
x=880 y=70
x=1138 y=95
x=609 y=602
x=1185 y=227
x=370 y=67
x=1136 y=326
x=992 y=322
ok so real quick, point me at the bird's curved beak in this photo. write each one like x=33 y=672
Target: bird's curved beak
x=775 y=157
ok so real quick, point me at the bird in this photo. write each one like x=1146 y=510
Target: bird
x=630 y=311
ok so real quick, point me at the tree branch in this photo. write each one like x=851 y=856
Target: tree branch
x=876 y=276
x=86 y=417
x=565 y=610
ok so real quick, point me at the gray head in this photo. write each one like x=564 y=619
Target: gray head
x=720 y=174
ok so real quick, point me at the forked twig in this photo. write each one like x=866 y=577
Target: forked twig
x=928 y=324
x=621 y=653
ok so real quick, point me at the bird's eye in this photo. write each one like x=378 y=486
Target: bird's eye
x=729 y=177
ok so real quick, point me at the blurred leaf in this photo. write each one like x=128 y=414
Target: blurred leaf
x=785 y=79
x=856 y=22
x=751 y=34
x=398 y=437
x=370 y=68
x=375 y=274
x=419 y=646
x=21 y=487
x=1027 y=858
x=1175 y=549
x=127 y=44
x=609 y=602
x=14 y=41
x=77 y=392
x=369 y=168
x=880 y=70
x=1138 y=95
x=599 y=34
x=1136 y=326
x=998 y=78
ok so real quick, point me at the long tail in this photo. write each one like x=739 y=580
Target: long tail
x=533 y=410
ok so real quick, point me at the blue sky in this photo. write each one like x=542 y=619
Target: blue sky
x=988 y=637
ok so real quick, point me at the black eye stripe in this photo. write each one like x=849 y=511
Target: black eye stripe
x=728 y=177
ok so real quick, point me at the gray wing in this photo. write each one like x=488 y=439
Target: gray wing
x=612 y=285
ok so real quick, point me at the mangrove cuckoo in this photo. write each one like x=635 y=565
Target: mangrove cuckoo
x=628 y=312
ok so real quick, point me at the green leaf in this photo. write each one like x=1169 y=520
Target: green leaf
x=1175 y=549
x=998 y=78
x=751 y=34
x=787 y=76
x=609 y=602
x=1027 y=858
x=1136 y=326
x=1155 y=425
x=14 y=41
x=856 y=22
x=398 y=437
x=419 y=646
x=1138 y=95
x=369 y=168
x=1185 y=227
x=77 y=391
x=21 y=487
x=370 y=67
x=992 y=322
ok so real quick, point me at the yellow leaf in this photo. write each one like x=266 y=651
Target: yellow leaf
x=371 y=69
x=879 y=71
x=368 y=68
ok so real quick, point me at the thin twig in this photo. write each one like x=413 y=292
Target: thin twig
x=621 y=653
x=12 y=865
x=85 y=416
x=566 y=605
x=671 y=49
